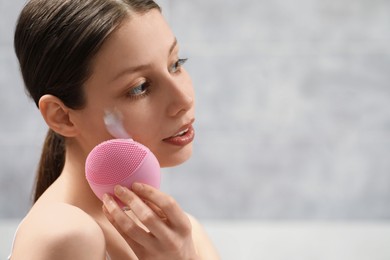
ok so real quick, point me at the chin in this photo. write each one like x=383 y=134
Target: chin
x=175 y=159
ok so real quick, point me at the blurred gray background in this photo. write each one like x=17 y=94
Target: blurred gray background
x=293 y=110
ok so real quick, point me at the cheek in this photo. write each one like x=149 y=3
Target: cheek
x=96 y=133
x=143 y=127
x=92 y=130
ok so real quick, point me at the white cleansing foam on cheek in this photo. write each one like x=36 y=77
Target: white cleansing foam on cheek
x=120 y=161
x=114 y=124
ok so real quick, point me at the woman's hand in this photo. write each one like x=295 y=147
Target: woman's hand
x=163 y=231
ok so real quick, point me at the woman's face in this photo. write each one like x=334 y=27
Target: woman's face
x=138 y=72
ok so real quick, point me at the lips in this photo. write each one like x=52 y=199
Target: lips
x=184 y=136
x=181 y=132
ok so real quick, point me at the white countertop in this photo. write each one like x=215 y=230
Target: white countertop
x=281 y=240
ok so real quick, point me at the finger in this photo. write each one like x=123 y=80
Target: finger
x=130 y=241
x=127 y=227
x=170 y=208
x=107 y=214
x=143 y=212
x=157 y=210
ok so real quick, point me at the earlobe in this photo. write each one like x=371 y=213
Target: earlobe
x=56 y=115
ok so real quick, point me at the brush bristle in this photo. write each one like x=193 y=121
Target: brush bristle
x=112 y=161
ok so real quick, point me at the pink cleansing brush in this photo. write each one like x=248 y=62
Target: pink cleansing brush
x=120 y=161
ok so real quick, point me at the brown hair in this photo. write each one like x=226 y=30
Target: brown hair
x=55 y=42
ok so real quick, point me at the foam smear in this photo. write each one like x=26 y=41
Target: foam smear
x=113 y=120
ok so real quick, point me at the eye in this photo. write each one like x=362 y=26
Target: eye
x=140 y=90
x=177 y=65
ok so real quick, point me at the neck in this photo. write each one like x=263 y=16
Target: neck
x=76 y=187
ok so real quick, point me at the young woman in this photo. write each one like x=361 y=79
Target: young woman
x=78 y=58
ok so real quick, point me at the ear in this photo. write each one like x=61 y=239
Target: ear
x=56 y=115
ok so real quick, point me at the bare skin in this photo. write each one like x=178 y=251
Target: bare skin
x=156 y=100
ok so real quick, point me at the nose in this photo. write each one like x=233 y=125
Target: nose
x=180 y=95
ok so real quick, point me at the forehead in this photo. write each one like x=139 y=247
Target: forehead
x=141 y=39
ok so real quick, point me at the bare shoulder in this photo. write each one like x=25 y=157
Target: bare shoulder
x=203 y=243
x=59 y=231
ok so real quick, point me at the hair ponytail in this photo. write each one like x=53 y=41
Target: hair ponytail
x=51 y=163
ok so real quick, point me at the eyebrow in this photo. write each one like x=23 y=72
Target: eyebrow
x=143 y=66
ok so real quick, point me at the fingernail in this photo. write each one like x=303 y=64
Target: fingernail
x=106 y=198
x=119 y=190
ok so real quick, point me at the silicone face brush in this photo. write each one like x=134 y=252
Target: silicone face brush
x=120 y=161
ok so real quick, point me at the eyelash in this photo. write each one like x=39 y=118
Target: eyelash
x=145 y=86
x=178 y=64
x=144 y=90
